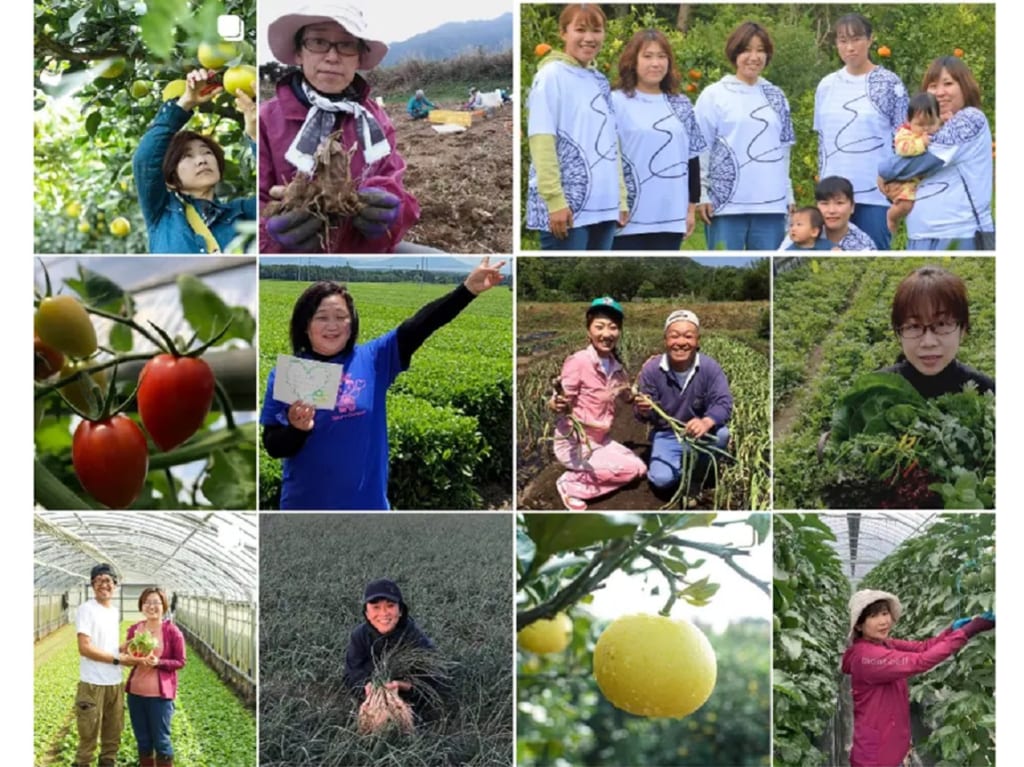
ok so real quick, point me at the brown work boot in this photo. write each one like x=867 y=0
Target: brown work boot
x=164 y=760
x=147 y=760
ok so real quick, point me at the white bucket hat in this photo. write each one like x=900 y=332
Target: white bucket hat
x=281 y=32
x=862 y=599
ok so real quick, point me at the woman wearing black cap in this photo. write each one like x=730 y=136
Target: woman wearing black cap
x=388 y=627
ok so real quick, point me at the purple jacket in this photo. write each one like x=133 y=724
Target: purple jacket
x=706 y=395
x=881 y=700
x=280 y=121
x=171 y=658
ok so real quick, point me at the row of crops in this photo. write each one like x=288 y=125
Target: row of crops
x=945 y=572
x=831 y=327
x=550 y=333
x=210 y=728
x=448 y=423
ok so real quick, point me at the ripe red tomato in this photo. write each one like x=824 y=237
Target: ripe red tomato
x=63 y=323
x=111 y=459
x=175 y=394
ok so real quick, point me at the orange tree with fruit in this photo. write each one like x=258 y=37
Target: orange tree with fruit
x=127 y=416
x=907 y=38
x=100 y=74
x=646 y=687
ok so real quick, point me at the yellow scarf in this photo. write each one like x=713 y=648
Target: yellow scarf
x=199 y=227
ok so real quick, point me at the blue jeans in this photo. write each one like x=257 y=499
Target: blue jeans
x=648 y=241
x=935 y=243
x=871 y=220
x=746 y=231
x=591 y=237
x=667 y=457
x=151 y=723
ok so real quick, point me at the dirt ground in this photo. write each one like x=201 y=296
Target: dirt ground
x=463 y=182
x=542 y=472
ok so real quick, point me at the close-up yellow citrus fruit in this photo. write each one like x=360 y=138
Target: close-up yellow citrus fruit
x=216 y=55
x=241 y=78
x=654 y=666
x=84 y=227
x=547 y=636
x=73 y=209
x=120 y=227
x=173 y=90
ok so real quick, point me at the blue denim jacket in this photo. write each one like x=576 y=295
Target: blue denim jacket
x=162 y=209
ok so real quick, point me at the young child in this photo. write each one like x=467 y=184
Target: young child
x=805 y=227
x=834 y=196
x=911 y=160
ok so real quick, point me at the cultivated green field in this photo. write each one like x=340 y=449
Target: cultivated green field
x=550 y=332
x=449 y=415
x=210 y=727
x=455 y=575
x=831 y=325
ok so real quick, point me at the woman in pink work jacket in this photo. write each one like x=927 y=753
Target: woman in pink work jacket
x=593 y=380
x=879 y=667
x=329 y=41
x=153 y=684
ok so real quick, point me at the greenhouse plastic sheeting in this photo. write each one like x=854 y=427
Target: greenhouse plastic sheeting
x=865 y=539
x=197 y=552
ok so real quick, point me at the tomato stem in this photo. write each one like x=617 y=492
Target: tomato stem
x=225 y=403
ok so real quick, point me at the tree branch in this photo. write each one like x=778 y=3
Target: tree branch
x=727 y=554
x=46 y=43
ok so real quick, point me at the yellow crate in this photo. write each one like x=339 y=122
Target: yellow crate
x=451 y=117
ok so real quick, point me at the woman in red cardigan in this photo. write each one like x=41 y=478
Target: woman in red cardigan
x=153 y=683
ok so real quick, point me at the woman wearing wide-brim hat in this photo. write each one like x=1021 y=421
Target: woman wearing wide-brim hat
x=879 y=667
x=330 y=42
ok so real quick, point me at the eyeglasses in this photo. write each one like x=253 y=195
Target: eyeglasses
x=343 y=47
x=850 y=40
x=940 y=328
x=104 y=582
x=152 y=603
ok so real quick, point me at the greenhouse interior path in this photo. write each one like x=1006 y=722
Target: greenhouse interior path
x=211 y=728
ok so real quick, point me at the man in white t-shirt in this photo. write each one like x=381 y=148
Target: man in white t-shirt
x=99 y=702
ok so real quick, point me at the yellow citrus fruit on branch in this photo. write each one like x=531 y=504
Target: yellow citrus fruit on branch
x=73 y=209
x=173 y=90
x=216 y=55
x=241 y=78
x=139 y=89
x=654 y=666
x=120 y=227
x=112 y=68
x=547 y=636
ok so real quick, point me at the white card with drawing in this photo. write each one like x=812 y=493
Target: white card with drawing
x=315 y=383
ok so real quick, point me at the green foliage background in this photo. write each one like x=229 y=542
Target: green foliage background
x=809 y=598
x=563 y=718
x=804 y=39
x=837 y=311
x=948 y=572
x=449 y=415
x=84 y=154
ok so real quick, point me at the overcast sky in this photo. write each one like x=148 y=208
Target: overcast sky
x=394 y=23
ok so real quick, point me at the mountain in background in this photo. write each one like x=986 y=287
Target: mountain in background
x=453 y=39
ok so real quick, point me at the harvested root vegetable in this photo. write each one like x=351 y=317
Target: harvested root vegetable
x=382 y=709
x=328 y=193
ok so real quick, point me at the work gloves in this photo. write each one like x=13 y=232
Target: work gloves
x=380 y=209
x=299 y=230
x=971 y=626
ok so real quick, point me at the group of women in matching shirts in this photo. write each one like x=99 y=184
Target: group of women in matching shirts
x=634 y=168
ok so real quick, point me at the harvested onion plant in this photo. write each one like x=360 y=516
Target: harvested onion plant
x=329 y=192
x=427 y=672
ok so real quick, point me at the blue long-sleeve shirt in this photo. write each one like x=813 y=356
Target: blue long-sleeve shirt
x=164 y=210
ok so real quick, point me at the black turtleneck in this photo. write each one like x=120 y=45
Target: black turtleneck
x=284 y=441
x=951 y=380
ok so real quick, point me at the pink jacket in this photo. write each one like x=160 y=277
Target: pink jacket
x=881 y=700
x=594 y=392
x=280 y=121
x=171 y=658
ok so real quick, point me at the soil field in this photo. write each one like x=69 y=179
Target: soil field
x=549 y=332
